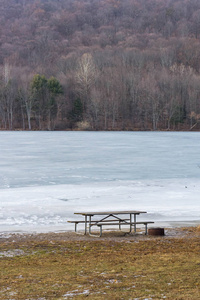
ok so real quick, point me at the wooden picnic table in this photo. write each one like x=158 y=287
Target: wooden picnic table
x=110 y=218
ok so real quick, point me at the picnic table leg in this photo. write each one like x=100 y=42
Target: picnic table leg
x=135 y=223
x=130 y=222
x=145 y=228
x=89 y=224
x=85 y=225
x=76 y=227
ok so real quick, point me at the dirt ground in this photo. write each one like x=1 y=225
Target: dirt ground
x=108 y=235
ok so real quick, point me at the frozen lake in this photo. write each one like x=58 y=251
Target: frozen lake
x=46 y=176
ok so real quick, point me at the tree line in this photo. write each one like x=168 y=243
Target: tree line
x=100 y=65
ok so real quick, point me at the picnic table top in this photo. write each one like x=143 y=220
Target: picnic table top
x=122 y=212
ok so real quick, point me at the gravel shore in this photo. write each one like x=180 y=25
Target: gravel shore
x=108 y=235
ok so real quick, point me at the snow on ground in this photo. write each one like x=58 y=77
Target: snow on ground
x=47 y=208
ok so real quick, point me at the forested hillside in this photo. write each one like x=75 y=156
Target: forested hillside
x=100 y=64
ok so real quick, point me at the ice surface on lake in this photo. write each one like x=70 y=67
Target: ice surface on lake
x=46 y=176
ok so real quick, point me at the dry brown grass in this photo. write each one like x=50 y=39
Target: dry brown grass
x=131 y=268
x=198 y=228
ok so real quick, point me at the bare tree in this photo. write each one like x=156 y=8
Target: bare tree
x=85 y=75
x=8 y=96
x=25 y=95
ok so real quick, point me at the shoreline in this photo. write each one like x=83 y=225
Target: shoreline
x=61 y=229
x=108 y=235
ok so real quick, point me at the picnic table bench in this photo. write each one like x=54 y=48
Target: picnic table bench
x=117 y=219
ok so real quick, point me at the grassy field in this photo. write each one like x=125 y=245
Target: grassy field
x=149 y=268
